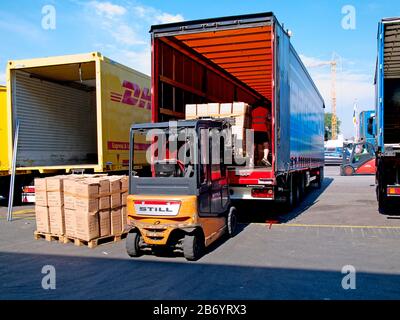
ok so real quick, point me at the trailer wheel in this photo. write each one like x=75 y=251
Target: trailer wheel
x=133 y=244
x=289 y=203
x=320 y=178
x=193 y=246
x=232 y=222
x=302 y=185
x=297 y=192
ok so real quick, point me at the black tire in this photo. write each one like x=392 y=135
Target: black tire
x=348 y=171
x=232 y=222
x=133 y=244
x=297 y=196
x=320 y=178
x=193 y=246
x=302 y=186
x=289 y=203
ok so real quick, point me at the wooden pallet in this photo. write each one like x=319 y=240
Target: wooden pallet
x=95 y=242
x=48 y=236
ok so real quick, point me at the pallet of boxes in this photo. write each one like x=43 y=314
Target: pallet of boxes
x=83 y=209
x=239 y=112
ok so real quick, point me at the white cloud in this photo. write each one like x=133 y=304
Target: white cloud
x=126 y=35
x=107 y=9
x=351 y=86
x=168 y=18
x=155 y=16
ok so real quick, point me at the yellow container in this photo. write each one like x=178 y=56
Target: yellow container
x=75 y=112
x=3 y=133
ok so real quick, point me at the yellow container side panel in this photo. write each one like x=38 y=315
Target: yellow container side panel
x=4 y=164
x=126 y=100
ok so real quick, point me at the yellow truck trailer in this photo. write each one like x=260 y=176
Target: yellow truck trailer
x=4 y=166
x=74 y=112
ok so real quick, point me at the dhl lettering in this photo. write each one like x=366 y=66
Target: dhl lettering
x=133 y=95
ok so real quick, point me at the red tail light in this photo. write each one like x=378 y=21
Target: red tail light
x=393 y=191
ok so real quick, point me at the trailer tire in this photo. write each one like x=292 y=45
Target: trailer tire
x=193 y=246
x=133 y=244
x=320 y=178
x=232 y=222
x=302 y=186
x=297 y=192
x=289 y=203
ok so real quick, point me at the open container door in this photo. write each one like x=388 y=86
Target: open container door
x=55 y=102
x=214 y=60
x=390 y=84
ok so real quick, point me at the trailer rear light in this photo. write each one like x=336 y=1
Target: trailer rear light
x=393 y=191
x=262 y=193
x=29 y=189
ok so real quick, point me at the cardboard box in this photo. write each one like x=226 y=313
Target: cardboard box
x=86 y=196
x=124 y=218
x=105 y=223
x=57 y=222
x=116 y=221
x=69 y=194
x=40 y=197
x=240 y=108
x=40 y=184
x=87 y=225
x=202 y=110
x=124 y=184
x=70 y=223
x=213 y=109
x=104 y=194
x=225 y=109
x=191 y=111
x=124 y=197
x=115 y=190
x=42 y=219
x=55 y=183
x=55 y=198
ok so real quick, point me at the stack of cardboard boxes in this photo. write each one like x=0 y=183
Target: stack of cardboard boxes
x=240 y=111
x=85 y=207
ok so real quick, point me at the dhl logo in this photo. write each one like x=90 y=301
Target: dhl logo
x=133 y=95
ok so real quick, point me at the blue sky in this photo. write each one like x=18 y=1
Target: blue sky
x=119 y=29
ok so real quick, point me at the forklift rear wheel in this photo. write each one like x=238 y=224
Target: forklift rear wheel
x=232 y=221
x=193 y=246
x=348 y=171
x=133 y=244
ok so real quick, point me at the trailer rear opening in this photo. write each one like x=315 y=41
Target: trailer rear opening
x=392 y=84
x=56 y=108
x=217 y=66
x=249 y=59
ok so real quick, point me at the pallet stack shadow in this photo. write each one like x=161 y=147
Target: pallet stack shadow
x=81 y=207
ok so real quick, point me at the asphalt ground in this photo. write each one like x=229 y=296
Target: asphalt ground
x=299 y=255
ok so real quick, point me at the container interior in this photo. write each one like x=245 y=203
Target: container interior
x=56 y=109
x=217 y=66
x=392 y=84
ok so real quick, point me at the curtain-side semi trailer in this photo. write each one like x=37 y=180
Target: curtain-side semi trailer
x=247 y=58
x=74 y=112
x=387 y=84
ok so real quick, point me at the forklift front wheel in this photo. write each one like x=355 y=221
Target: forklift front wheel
x=133 y=244
x=348 y=171
x=232 y=221
x=193 y=246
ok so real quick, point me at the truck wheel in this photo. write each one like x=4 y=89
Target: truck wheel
x=133 y=244
x=289 y=203
x=382 y=201
x=348 y=171
x=302 y=185
x=232 y=222
x=297 y=193
x=320 y=178
x=193 y=246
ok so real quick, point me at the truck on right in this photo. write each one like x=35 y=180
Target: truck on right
x=387 y=84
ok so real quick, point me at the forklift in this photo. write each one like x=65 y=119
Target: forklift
x=179 y=195
x=358 y=159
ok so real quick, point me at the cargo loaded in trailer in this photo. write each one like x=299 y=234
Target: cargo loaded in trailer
x=247 y=59
x=74 y=113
